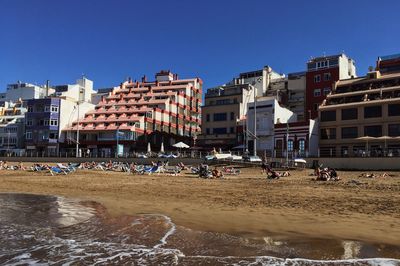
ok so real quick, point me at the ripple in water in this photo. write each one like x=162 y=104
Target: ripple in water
x=43 y=230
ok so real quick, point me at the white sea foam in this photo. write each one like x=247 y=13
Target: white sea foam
x=171 y=231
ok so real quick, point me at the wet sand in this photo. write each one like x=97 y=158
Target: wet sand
x=354 y=208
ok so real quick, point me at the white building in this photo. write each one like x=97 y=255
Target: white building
x=264 y=80
x=269 y=113
x=24 y=91
x=81 y=91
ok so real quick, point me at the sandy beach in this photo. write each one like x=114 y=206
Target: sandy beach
x=354 y=208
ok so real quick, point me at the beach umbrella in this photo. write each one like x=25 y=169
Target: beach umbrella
x=366 y=138
x=385 y=138
x=149 y=147
x=181 y=145
x=162 y=147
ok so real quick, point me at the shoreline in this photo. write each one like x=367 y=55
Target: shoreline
x=244 y=206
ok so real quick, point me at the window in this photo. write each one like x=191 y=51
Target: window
x=317 y=92
x=46 y=122
x=232 y=130
x=328 y=116
x=393 y=109
x=349 y=132
x=207 y=131
x=394 y=130
x=322 y=64
x=373 y=131
x=28 y=135
x=327 y=76
x=327 y=91
x=232 y=115
x=30 y=109
x=219 y=130
x=47 y=108
x=315 y=106
x=302 y=145
x=328 y=133
x=53 y=122
x=29 y=122
x=290 y=145
x=224 y=101
x=317 y=78
x=54 y=135
x=373 y=111
x=349 y=114
x=220 y=117
x=208 y=117
x=54 y=109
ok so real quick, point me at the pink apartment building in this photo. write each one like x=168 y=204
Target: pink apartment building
x=166 y=110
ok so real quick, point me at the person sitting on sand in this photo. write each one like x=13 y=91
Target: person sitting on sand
x=216 y=173
x=21 y=166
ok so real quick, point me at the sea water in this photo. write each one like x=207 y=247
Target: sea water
x=52 y=230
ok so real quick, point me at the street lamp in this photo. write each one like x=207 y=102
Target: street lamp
x=255 y=120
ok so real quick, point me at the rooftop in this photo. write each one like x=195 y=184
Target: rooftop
x=389 y=57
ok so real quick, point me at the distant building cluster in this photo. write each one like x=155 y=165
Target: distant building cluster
x=324 y=111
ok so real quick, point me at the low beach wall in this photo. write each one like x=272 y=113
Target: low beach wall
x=186 y=161
x=370 y=163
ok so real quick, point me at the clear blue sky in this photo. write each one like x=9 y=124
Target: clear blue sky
x=212 y=39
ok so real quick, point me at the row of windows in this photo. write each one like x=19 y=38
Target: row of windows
x=220 y=130
x=43 y=122
x=369 y=112
x=325 y=91
x=6 y=140
x=326 y=76
x=41 y=108
x=290 y=145
x=46 y=135
x=223 y=101
x=221 y=117
x=352 y=132
x=9 y=130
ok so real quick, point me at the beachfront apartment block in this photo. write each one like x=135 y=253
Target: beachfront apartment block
x=12 y=128
x=134 y=114
x=321 y=73
x=225 y=110
x=45 y=118
x=361 y=116
x=224 y=116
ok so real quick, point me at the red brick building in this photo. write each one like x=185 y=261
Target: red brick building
x=321 y=73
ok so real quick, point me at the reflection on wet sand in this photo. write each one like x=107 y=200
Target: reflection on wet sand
x=56 y=230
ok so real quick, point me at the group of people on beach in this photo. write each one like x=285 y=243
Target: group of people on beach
x=5 y=166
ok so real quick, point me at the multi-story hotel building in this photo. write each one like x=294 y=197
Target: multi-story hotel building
x=134 y=114
x=361 y=117
x=321 y=73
